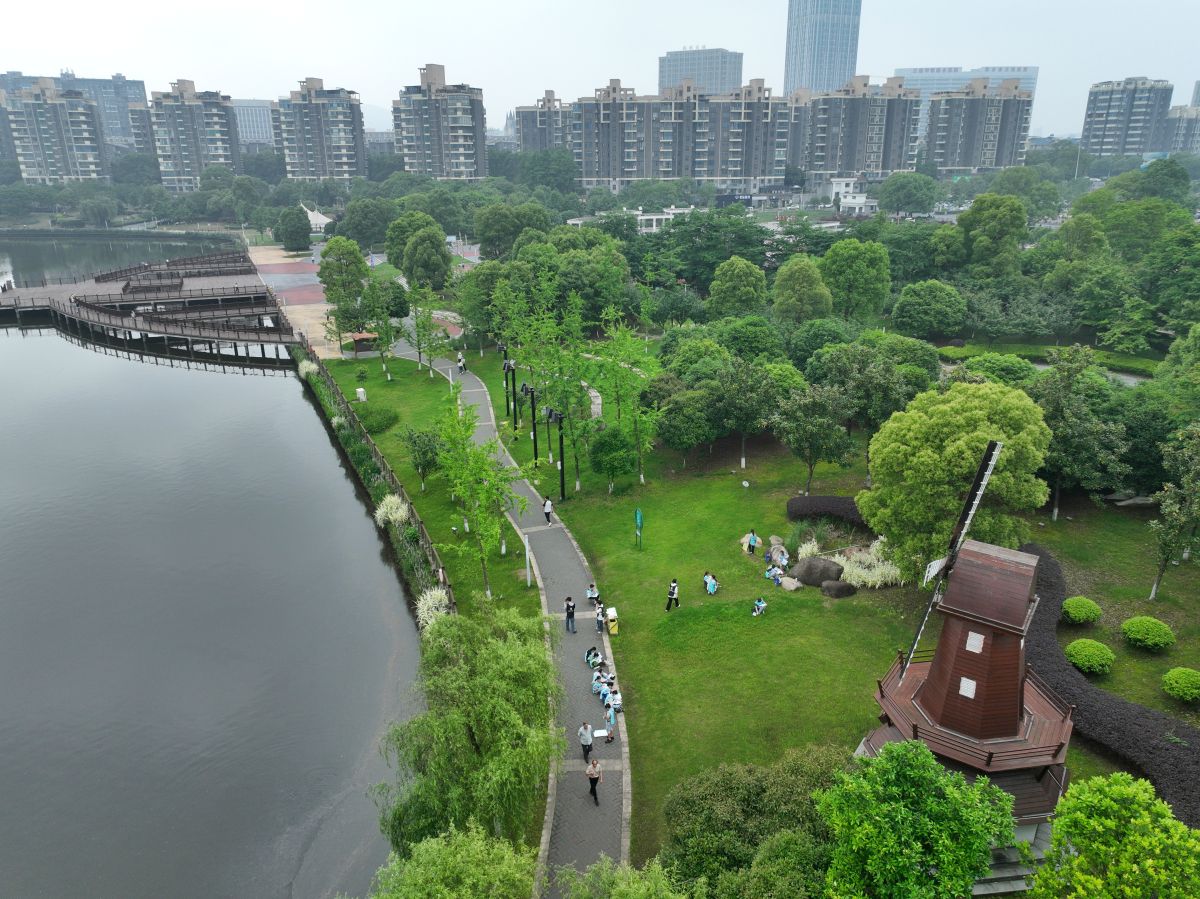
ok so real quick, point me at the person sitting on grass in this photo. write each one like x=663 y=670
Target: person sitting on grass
x=760 y=607
x=710 y=584
x=775 y=573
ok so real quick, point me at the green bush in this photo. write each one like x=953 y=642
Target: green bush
x=376 y=419
x=1080 y=610
x=1182 y=684
x=1090 y=656
x=1149 y=633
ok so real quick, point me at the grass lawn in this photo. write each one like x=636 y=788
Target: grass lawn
x=1138 y=365
x=1106 y=554
x=420 y=401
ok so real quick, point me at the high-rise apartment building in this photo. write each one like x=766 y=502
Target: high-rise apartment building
x=188 y=130
x=711 y=71
x=7 y=151
x=319 y=132
x=822 y=44
x=1183 y=130
x=930 y=80
x=113 y=97
x=254 y=124
x=441 y=129
x=57 y=136
x=864 y=130
x=978 y=128
x=546 y=125
x=1196 y=94
x=1126 y=118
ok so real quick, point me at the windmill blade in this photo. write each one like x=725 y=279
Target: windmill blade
x=940 y=568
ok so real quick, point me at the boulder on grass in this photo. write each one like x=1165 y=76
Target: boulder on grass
x=789 y=583
x=814 y=571
x=838 y=589
x=775 y=540
x=794 y=571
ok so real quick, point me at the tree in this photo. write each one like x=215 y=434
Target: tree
x=738 y=288
x=1114 y=837
x=426 y=259
x=1176 y=529
x=858 y=277
x=1167 y=179
x=267 y=165
x=377 y=317
x=873 y=385
x=423 y=446
x=426 y=335
x=930 y=309
x=813 y=335
x=905 y=827
x=743 y=402
x=612 y=455
x=810 y=425
x=1085 y=450
x=908 y=192
x=1003 y=368
x=606 y=879
x=620 y=356
x=292 y=229
x=216 y=177
x=554 y=169
x=701 y=241
x=458 y=863
x=399 y=231
x=98 y=211
x=751 y=337
x=1171 y=277
x=136 y=168
x=342 y=273
x=992 y=230
x=685 y=421
x=799 y=294
x=483 y=746
x=1179 y=375
x=923 y=461
x=717 y=820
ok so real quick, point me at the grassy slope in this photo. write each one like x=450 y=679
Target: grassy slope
x=420 y=401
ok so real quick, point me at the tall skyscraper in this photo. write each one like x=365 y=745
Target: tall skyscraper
x=441 y=129
x=1126 y=118
x=939 y=79
x=319 y=131
x=188 y=130
x=979 y=128
x=57 y=136
x=822 y=44
x=712 y=71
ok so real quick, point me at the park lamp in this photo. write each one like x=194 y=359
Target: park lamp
x=553 y=417
x=530 y=391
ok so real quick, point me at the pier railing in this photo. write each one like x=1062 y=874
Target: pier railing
x=346 y=411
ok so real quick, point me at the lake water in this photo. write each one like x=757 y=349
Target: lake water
x=53 y=258
x=202 y=639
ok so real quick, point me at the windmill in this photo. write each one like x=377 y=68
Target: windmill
x=941 y=568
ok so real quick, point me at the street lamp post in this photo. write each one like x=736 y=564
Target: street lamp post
x=504 y=349
x=553 y=417
x=531 y=392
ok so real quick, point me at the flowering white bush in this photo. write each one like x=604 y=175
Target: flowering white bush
x=868 y=568
x=307 y=368
x=432 y=605
x=808 y=549
x=392 y=510
x=338 y=422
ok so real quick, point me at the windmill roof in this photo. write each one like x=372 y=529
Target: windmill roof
x=992 y=585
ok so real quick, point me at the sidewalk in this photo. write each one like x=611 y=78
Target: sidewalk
x=578 y=831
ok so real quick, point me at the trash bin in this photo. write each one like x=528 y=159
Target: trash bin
x=361 y=393
x=611 y=616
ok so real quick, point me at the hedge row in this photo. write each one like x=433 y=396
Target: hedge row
x=1137 y=365
x=1164 y=748
x=842 y=507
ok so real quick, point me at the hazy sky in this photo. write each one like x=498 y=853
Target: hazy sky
x=516 y=49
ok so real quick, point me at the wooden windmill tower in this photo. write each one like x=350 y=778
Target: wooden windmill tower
x=972 y=700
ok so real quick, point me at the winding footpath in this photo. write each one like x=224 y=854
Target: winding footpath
x=576 y=832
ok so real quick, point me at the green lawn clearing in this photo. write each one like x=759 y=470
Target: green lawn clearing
x=1039 y=352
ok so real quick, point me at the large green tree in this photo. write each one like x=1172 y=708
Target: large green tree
x=342 y=273
x=701 y=241
x=426 y=259
x=992 y=231
x=906 y=828
x=1171 y=277
x=809 y=423
x=1113 y=837
x=366 y=221
x=924 y=459
x=400 y=230
x=930 y=309
x=799 y=294
x=465 y=863
x=739 y=287
x=858 y=277
x=908 y=192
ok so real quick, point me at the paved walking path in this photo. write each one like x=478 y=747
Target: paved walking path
x=577 y=831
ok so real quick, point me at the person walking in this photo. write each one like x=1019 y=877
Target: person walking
x=595 y=777
x=599 y=617
x=569 y=605
x=751 y=542
x=673 y=594
x=585 y=740
x=462 y=363
x=547 y=507
x=610 y=721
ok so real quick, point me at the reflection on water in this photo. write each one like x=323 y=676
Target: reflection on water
x=200 y=638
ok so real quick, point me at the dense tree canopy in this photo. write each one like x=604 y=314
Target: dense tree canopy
x=799 y=294
x=930 y=309
x=858 y=277
x=908 y=192
x=739 y=287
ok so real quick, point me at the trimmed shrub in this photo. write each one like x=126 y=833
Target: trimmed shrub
x=1182 y=684
x=1147 y=633
x=1080 y=610
x=842 y=507
x=1090 y=656
x=377 y=419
